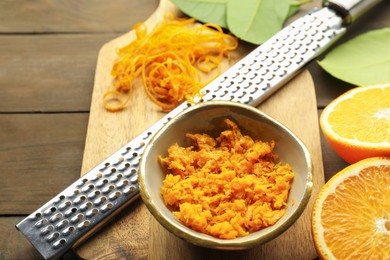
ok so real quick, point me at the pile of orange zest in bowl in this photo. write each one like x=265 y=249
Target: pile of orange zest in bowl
x=170 y=61
x=227 y=187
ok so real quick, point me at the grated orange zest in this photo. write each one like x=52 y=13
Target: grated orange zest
x=170 y=60
x=227 y=187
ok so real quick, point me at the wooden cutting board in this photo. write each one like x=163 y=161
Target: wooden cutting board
x=134 y=233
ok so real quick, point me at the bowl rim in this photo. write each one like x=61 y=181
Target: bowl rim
x=208 y=240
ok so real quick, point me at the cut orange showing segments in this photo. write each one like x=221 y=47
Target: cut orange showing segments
x=357 y=123
x=351 y=215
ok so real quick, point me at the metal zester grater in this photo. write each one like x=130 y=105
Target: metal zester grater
x=94 y=198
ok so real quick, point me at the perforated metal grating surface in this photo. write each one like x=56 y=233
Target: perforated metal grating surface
x=87 y=203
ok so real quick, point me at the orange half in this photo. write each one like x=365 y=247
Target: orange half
x=357 y=123
x=351 y=215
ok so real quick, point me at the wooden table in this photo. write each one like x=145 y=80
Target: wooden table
x=48 y=53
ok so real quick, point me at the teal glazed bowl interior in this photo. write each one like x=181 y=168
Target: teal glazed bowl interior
x=208 y=117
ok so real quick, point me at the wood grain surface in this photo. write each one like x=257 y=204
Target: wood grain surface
x=48 y=55
x=134 y=233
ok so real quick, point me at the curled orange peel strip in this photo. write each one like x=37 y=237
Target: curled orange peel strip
x=170 y=60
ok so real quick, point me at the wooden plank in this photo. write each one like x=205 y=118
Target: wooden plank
x=13 y=245
x=40 y=155
x=45 y=16
x=37 y=156
x=68 y=55
x=49 y=72
x=135 y=234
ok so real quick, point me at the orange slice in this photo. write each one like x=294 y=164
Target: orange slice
x=351 y=215
x=357 y=123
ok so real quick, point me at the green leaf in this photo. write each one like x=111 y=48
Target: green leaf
x=292 y=10
x=294 y=7
x=364 y=60
x=207 y=11
x=256 y=21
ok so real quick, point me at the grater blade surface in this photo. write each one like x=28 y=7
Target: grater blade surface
x=93 y=199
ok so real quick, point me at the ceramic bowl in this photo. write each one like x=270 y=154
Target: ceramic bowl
x=208 y=117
